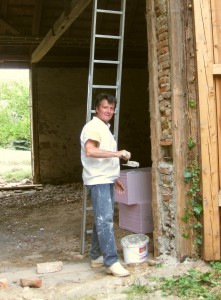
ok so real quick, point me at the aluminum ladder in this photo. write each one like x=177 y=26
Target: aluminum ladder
x=91 y=86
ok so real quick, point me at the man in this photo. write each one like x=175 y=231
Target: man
x=101 y=170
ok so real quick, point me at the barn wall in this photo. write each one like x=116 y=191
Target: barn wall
x=172 y=84
x=59 y=98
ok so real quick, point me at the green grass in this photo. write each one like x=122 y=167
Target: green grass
x=192 y=285
x=16 y=175
x=137 y=291
x=15 y=165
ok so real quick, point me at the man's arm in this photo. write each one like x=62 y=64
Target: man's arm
x=92 y=150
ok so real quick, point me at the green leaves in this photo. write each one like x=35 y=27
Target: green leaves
x=193 y=285
x=191 y=143
x=194 y=208
x=192 y=103
x=14 y=112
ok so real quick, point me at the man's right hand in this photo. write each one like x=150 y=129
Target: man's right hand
x=124 y=154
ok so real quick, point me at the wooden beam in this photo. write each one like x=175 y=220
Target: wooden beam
x=217 y=69
x=216 y=23
x=37 y=17
x=208 y=129
x=180 y=120
x=59 y=27
x=14 y=58
x=3 y=8
x=35 y=126
x=219 y=198
x=21 y=187
x=154 y=123
x=8 y=27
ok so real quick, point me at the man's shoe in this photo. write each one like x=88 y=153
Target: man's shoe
x=117 y=270
x=98 y=262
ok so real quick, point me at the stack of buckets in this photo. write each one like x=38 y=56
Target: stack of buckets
x=135 y=213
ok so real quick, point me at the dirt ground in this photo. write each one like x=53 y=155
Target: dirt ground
x=43 y=224
x=39 y=226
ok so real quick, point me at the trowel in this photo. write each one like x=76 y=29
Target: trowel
x=131 y=163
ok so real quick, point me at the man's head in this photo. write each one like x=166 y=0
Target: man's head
x=104 y=96
x=105 y=106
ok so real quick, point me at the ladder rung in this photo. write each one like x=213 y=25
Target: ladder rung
x=105 y=11
x=100 y=61
x=105 y=86
x=89 y=208
x=89 y=231
x=103 y=36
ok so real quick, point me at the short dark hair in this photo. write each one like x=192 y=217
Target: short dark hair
x=104 y=96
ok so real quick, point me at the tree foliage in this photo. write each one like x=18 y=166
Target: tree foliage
x=14 y=112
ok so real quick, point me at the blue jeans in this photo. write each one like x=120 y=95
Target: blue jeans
x=103 y=240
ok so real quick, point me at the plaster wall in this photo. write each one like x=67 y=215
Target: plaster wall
x=61 y=95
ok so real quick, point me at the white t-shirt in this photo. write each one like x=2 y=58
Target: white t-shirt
x=99 y=170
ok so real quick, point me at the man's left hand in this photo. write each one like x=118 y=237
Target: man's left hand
x=119 y=187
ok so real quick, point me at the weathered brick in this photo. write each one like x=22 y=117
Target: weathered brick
x=49 y=267
x=166 y=65
x=162 y=29
x=164 y=79
x=163 y=57
x=162 y=44
x=165 y=170
x=166 y=178
x=166 y=142
x=168 y=112
x=34 y=283
x=166 y=95
x=166 y=197
x=4 y=283
x=163 y=36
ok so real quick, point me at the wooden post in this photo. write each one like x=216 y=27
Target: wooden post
x=155 y=124
x=208 y=128
x=180 y=120
x=34 y=127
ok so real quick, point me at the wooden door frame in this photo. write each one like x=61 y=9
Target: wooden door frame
x=208 y=127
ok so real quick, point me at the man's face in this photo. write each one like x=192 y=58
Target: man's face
x=105 y=111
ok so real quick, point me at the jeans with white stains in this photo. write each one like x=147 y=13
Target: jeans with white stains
x=103 y=240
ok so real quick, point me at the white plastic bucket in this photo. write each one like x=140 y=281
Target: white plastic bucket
x=135 y=249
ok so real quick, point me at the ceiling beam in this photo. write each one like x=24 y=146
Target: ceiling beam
x=59 y=27
x=14 y=58
x=3 y=8
x=8 y=27
x=37 y=17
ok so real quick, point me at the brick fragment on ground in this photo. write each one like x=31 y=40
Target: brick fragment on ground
x=151 y=262
x=49 y=267
x=3 y=283
x=34 y=283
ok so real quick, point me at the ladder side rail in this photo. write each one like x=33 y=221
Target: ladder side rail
x=119 y=69
x=91 y=64
x=88 y=118
x=83 y=223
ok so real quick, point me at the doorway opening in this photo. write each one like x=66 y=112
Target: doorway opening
x=15 y=137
